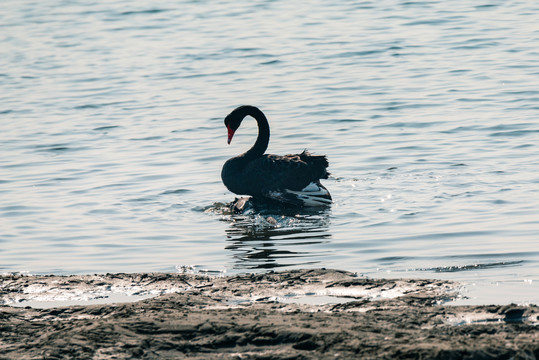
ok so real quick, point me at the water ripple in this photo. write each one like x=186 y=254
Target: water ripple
x=485 y=266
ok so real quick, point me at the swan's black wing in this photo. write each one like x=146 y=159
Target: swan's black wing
x=293 y=179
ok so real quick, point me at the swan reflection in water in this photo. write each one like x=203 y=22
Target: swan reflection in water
x=263 y=240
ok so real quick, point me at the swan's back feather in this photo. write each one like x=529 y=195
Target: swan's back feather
x=288 y=172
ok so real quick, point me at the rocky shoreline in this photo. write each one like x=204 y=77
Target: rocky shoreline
x=297 y=314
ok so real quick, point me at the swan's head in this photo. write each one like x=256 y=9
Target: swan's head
x=234 y=119
x=232 y=123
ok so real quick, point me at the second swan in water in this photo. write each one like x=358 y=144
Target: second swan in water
x=292 y=179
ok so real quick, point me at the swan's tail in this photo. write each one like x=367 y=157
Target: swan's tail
x=318 y=163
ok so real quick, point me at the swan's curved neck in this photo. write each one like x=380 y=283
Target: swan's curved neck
x=262 y=140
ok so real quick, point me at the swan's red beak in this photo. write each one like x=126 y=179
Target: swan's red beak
x=230 y=134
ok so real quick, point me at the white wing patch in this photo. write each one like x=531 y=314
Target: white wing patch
x=311 y=195
x=311 y=187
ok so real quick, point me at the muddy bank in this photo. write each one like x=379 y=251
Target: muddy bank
x=304 y=314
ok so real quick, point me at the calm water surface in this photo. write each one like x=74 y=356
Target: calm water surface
x=111 y=120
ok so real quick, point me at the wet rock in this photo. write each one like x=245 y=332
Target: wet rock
x=514 y=315
x=306 y=345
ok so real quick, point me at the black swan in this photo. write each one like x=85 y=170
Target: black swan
x=290 y=179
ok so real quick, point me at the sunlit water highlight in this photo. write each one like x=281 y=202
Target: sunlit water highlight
x=113 y=141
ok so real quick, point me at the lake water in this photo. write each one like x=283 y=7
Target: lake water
x=112 y=137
